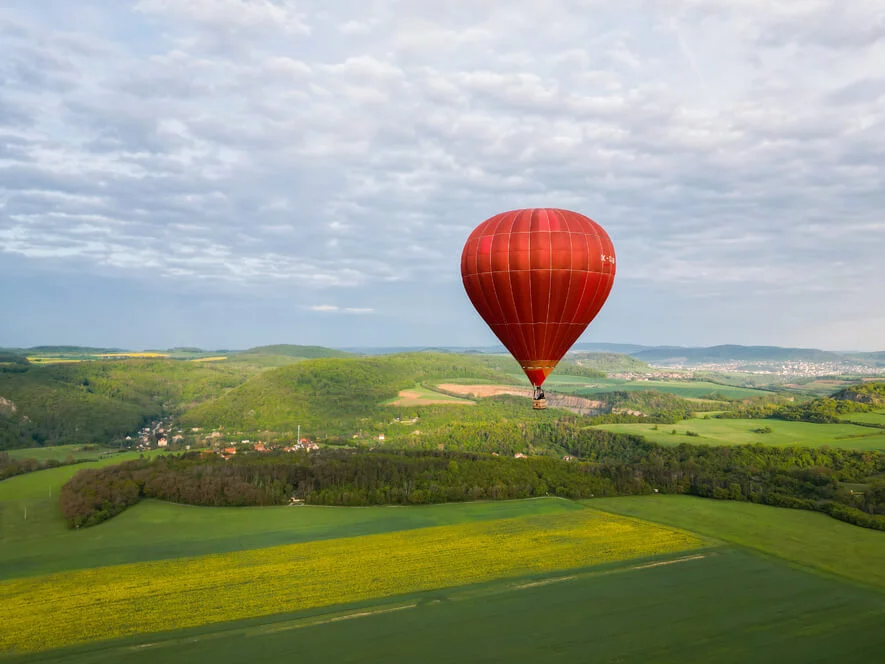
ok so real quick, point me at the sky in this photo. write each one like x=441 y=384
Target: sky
x=230 y=173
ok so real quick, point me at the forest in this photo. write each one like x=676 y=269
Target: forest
x=610 y=465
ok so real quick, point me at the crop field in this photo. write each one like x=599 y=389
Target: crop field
x=52 y=360
x=156 y=530
x=808 y=538
x=422 y=396
x=724 y=605
x=712 y=431
x=142 y=355
x=123 y=600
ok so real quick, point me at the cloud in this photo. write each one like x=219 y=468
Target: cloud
x=344 y=310
x=319 y=150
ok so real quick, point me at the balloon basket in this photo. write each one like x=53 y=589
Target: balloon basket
x=539 y=404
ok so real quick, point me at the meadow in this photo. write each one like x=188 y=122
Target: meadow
x=122 y=600
x=61 y=452
x=713 y=431
x=587 y=387
x=809 y=539
x=875 y=417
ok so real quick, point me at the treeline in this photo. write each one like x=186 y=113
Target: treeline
x=10 y=467
x=609 y=464
x=330 y=477
x=820 y=411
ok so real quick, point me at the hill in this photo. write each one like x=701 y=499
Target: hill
x=608 y=362
x=331 y=394
x=291 y=350
x=101 y=401
x=738 y=353
x=871 y=393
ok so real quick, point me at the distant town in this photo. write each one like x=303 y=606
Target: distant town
x=774 y=368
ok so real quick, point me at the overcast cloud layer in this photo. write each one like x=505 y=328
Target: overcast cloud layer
x=226 y=173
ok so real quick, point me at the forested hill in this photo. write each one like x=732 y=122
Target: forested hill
x=100 y=401
x=872 y=393
x=608 y=362
x=291 y=350
x=331 y=394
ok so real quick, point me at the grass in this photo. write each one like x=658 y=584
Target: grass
x=810 y=539
x=108 y=602
x=714 y=431
x=31 y=524
x=875 y=417
x=726 y=607
x=684 y=388
x=60 y=452
x=156 y=530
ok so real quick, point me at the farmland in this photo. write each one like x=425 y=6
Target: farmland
x=809 y=539
x=725 y=605
x=526 y=580
x=713 y=431
x=148 y=597
x=155 y=530
x=421 y=396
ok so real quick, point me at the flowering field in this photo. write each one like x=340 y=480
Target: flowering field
x=56 y=610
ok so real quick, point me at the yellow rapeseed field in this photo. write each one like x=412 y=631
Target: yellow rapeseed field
x=217 y=358
x=141 y=355
x=57 y=610
x=52 y=360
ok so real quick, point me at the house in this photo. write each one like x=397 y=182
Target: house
x=259 y=447
x=380 y=436
x=519 y=455
x=230 y=450
x=162 y=442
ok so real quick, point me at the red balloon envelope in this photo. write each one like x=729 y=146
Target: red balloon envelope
x=538 y=277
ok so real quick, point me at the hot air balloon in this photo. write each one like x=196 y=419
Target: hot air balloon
x=538 y=277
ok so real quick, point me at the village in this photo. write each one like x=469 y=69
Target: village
x=162 y=435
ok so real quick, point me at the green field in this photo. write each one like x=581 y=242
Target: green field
x=807 y=538
x=683 y=388
x=770 y=585
x=714 y=431
x=61 y=452
x=727 y=606
x=143 y=598
x=875 y=417
x=155 y=530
